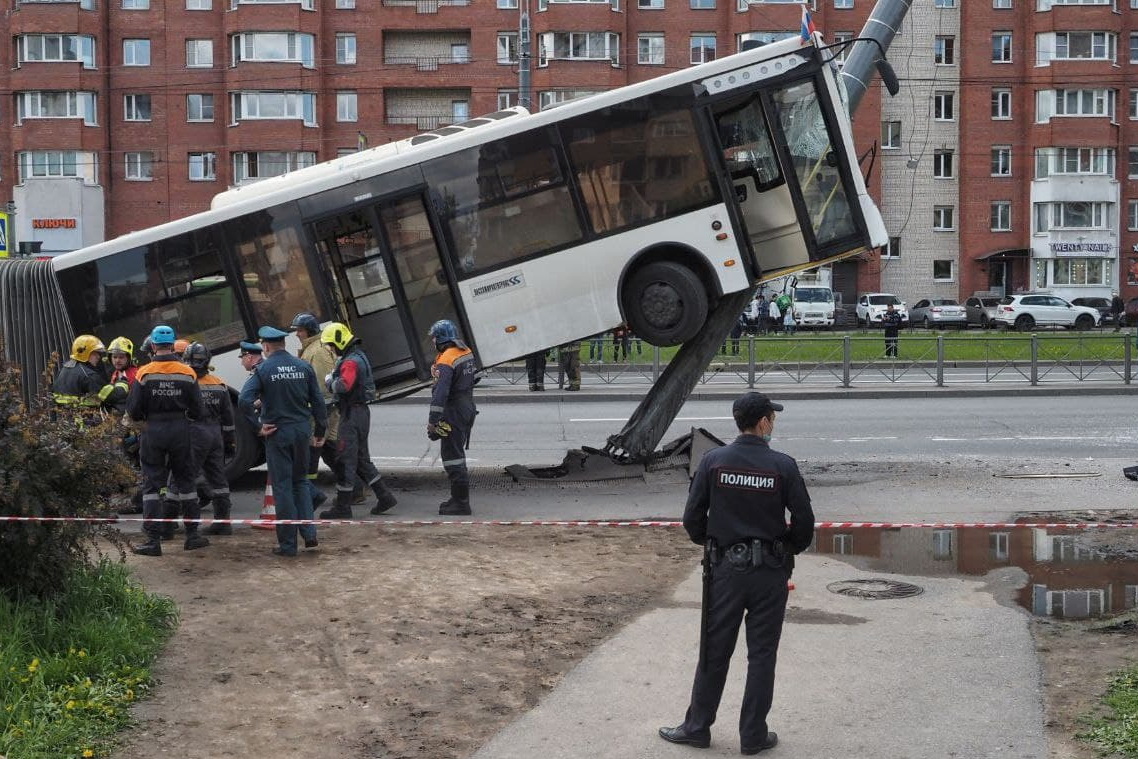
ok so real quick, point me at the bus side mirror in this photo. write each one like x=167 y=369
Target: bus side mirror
x=888 y=76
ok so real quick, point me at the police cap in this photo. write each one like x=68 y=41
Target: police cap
x=250 y=347
x=750 y=407
x=272 y=334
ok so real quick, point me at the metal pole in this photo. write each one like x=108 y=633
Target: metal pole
x=1127 y=367
x=751 y=362
x=525 y=61
x=940 y=360
x=882 y=26
x=1034 y=360
x=847 y=352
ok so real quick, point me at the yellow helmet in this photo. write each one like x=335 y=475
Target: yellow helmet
x=337 y=335
x=85 y=345
x=121 y=345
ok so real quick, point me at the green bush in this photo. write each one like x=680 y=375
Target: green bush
x=54 y=465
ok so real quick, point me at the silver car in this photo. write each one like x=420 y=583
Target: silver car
x=931 y=313
x=981 y=310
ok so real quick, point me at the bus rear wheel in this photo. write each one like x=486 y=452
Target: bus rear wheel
x=249 y=452
x=665 y=303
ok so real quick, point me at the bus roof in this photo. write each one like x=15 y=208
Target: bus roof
x=329 y=175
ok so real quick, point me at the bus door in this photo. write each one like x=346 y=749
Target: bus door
x=391 y=282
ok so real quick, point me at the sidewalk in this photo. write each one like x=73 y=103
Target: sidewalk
x=948 y=673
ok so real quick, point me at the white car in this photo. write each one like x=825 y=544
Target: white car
x=1024 y=312
x=871 y=307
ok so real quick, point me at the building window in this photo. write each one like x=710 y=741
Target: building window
x=140 y=166
x=199 y=107
x=942 y=270
x=136 y=5
x=844 y=50
x=1001 y=4
x=650 y=49
x=944 y=106
x=300 y=106
x=345 y=48
x=1001 y=103
x=36 y=164
x=203 y=167
x=274 y=47
x=57 y=48
x=264 y=164
x=579 y=46
x=944 y=4
x=199 y=5
x=56 y=104
x=843 y=3
x=507 y=47
x=942 y=164
x=547 y=98
x=656 y=5
x=1133 y=47
x=199 y=54
x=459 y=111
x=136 y=107
x=507 y=99
x=1134 y=104
x=944 y=50
x=705 y=5
x=1050 y=161
x=891 y=134
x=943 y=220
x=346 y=4
x=1099 y=102
x=893 y=249
x=702 y=48
x=508 y=4
x=136 y=52
x=1080 y=271
x=1132 y=215
x=1001 y=216
x=998 y=543
x=1001 y=160
x=1132 y=163
x=1001 y=47
x=1075 y=46
x=347 y=106
x=1070 y=215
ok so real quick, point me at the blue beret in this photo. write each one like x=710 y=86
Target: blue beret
x=247 y=347
x=271 y=333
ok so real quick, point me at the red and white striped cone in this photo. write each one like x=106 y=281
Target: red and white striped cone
x=268 y=508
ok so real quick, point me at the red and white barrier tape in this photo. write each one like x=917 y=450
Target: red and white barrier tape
x=585 y=523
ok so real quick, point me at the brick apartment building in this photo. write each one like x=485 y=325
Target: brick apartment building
x=996 y=167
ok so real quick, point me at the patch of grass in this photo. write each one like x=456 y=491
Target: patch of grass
x=71 y=666
x=1116 y=733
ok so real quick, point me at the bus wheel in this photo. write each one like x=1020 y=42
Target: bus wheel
x=249 y=452
x=665 y=303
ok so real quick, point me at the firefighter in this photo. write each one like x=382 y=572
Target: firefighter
x=166 y=397
x=353 y=385
x=323 y=361
x=82 y=376
x=452 y=411
x=213 y=436
x=122 y=376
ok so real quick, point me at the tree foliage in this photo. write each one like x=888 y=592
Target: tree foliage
x=54 y=464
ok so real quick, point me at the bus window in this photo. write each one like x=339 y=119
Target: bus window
x=268 y=246
x=178 y=281
x=808 y=138
x=503 y=201
x=637 y=163
x=747 y=145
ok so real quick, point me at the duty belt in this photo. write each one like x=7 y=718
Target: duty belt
x=753 y=552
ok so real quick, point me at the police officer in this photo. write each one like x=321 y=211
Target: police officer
x=77 y=383
x=452 y=412
x=353 y=385
x=736 y=509
x=323 y=361
x=166 y=397
x=292 y=419
x=213 y=436
x=891 y=321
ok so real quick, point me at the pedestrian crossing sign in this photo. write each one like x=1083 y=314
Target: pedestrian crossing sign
x=4 y=235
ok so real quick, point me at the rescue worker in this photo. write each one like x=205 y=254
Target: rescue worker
x=166 y=397
x=353 y=385
x=570 y=360
x=452 y=411
x=292 y=419
x=323 y=361
x=123 y=371
x=77 y=383
x=736 y=509
x=250 y=355
x=213 y=436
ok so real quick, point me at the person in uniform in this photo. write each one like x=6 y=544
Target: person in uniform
x=213 y=436
x=78 y=382
x=292 y=419
x=250 y=355
x=535 y=369
x=891 y=321
x=122 y=375
x=353 y=385
x=736 y=509
x=166 y=398
x=570 y=359
x=323 y=361
x=452 y=412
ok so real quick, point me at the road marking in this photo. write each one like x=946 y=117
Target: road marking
x=678 y=419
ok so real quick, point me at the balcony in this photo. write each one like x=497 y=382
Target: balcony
x=424 y=6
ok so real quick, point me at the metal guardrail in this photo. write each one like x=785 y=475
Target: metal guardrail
x=849 y=360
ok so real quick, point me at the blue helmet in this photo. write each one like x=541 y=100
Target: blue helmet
x=163 y=335
x=443 y=331
x=307 y=322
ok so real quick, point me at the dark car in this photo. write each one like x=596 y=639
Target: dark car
x=1102 y=305
x=1130 y=315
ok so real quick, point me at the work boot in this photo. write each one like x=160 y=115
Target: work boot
x=152 y=547
x=459 y=502
x=358 y=495
x=194 y=540
x=384 y=498
x=220 y=511
x=318 y=498
x=342 y=509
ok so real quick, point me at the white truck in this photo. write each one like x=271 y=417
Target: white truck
x=814 y=306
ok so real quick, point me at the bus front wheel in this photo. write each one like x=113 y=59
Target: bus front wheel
x=665 y=303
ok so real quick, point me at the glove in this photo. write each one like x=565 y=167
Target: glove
x=438 y=430
x=230 y=448
x=328 y=380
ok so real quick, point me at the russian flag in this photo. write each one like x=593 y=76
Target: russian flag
x=807 y=31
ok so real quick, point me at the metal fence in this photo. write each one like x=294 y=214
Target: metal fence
x=854 y=360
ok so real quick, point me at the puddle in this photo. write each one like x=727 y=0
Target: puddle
x=1072 y=573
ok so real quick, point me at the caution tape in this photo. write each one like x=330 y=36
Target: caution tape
x=581 y=523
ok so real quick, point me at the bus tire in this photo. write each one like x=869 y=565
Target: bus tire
x=665 y=303
x=249 y=451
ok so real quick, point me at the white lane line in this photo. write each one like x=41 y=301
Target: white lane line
x=678 y=419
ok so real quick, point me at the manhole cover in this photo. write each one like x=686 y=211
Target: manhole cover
x=875 y=588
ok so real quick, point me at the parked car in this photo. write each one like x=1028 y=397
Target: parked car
x=1130 y=315
x=870 y=307
x=981 y=309
x=938 y=312
x=1028 y=310
x=1102 y=305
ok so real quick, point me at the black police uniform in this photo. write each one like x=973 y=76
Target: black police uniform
x=737 y=508
x=891 y=320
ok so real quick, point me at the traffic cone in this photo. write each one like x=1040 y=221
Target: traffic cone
x=268 y=508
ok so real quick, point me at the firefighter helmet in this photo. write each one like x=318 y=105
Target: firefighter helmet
x=337 y=335
x=443 y=331
x=85 y=345
x=121 y=345
x=197 y=356
x=306 y=322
